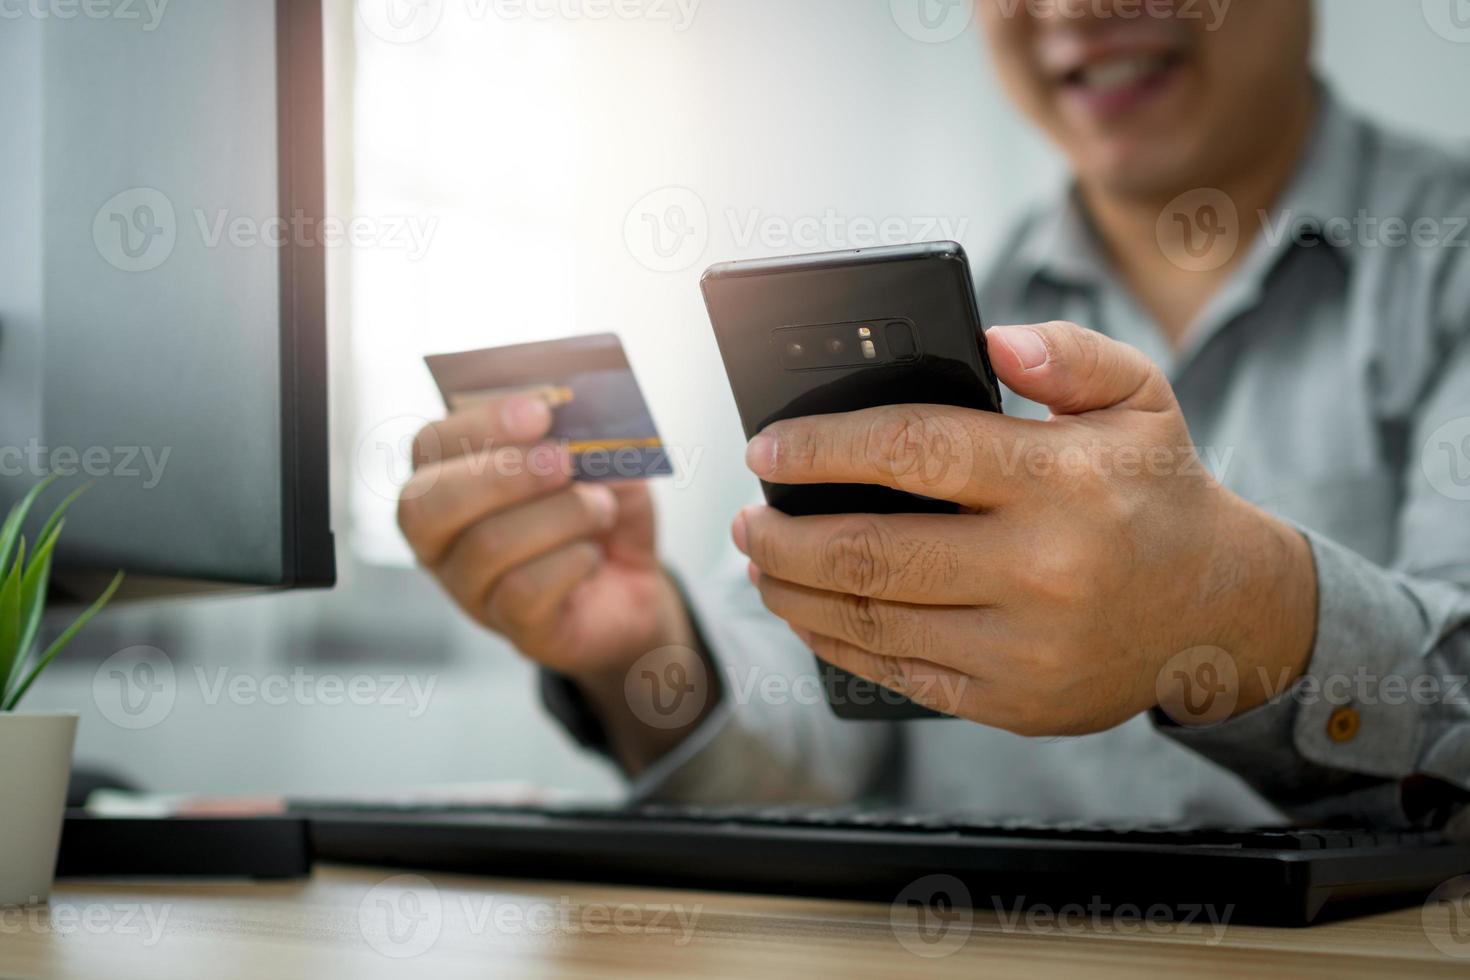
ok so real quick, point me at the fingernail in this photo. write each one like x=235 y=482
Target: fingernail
x=1025 y=343
x=760 y=455
x=525 y=417
x=601 y=502
x=738 y=532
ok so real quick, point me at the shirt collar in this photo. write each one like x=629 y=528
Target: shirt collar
x=1329 y=182
x=1063 y=246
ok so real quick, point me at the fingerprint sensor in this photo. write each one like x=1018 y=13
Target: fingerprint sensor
x=900 y=337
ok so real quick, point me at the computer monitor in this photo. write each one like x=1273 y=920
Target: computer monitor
x=162 y=294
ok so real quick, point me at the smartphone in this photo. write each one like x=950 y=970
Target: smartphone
x=841 y=331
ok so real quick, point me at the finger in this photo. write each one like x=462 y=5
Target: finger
x=525 y=603
x=933 y=559
x=632 y=539
x=944 y=635
x=937 y=451
x=931 y=685
x=1072 y=370
x=505 y=421
x=489 y=549
x=442 y=499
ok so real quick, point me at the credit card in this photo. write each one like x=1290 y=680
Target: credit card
x=598 y=411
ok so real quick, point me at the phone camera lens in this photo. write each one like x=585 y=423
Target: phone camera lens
x=795 y=350
x=835 y=346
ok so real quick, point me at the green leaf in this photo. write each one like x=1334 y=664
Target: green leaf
x=60 y=643
x=10 y=530
x=32 y=606
x=60 y=511
x=10 y=612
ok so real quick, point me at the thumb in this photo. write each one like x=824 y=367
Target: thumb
x=1073 y=370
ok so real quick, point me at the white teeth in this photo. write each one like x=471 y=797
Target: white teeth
x=1120 y=72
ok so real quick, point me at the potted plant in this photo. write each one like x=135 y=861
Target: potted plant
x=35 y=749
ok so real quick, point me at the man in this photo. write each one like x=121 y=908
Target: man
x=1291 y=638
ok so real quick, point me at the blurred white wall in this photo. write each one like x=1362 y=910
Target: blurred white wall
x=20 y=231
x=535 y=145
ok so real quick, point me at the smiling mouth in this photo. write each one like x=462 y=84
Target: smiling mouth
x=1121 y=74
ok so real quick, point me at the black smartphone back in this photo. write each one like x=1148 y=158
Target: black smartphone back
x=841 y=331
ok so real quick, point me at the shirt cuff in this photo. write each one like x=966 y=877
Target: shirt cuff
x=716 y=762
x=565 y=702
x=1341 y=739
x=748 y=748
x=751 y=749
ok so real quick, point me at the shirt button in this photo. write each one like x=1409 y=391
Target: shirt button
x=1344 y=724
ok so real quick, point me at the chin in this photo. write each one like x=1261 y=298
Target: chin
x=1148 y=171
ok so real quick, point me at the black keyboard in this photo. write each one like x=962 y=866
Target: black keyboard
x=1268 y=875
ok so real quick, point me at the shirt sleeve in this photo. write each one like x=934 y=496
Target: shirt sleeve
x=771 y=737
x=1378 y=728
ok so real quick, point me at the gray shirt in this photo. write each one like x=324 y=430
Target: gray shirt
x=1327 y=382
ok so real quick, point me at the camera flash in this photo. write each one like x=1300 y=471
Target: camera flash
x=869 y=351
x=865 y=332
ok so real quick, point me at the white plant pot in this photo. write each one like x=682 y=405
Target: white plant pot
x=35 y=764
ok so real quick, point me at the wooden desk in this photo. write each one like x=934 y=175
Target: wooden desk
x=336 y=925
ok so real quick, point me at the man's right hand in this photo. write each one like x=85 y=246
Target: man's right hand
x=566 y=571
